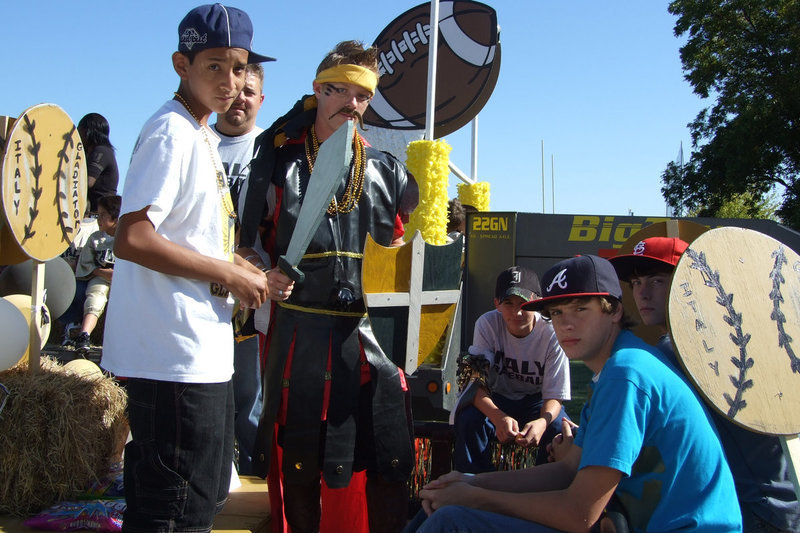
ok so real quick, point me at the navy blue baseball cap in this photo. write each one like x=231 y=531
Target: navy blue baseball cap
x=576 y=277
x=217 y=26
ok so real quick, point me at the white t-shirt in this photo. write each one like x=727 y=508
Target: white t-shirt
x=158 y=326
x=521 y=366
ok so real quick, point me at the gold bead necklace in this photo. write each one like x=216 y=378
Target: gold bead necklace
x=227 y=203
x=355 y=181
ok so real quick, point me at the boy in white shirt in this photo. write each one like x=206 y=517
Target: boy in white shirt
x=168 y=328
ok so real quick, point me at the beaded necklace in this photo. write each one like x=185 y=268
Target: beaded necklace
x=355 y=181
x=227 y=203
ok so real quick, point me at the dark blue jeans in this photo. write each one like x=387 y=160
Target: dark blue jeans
x=247 y=398
x=74 y=313
x=474 y=432
x=458 y=519
x=178 y=465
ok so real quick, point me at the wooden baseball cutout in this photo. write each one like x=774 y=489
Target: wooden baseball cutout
x=43 y=181
x=682 y=229
x=734 y=315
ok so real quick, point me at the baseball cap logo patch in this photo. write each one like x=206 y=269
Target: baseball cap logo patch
x=639 y=248
x=560 y=280
x=190 y=37
x=516 y=276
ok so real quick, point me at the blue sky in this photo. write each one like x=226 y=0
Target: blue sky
x=599 y=82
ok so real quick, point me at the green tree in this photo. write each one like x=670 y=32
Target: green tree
x=744 y=205
x=745 y=54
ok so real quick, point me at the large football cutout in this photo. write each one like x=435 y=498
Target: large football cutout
x=467 y=67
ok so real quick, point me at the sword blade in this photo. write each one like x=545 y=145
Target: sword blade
x=330 y=168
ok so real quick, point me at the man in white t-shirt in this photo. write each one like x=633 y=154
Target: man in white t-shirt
x=237 y=130
x=518 y=378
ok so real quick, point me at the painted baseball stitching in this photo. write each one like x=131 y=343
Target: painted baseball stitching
x=29 y=127
x=784 y=339
x=62 y=178
x=739 y=338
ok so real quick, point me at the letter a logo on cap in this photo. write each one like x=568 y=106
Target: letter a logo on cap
x=560 y=279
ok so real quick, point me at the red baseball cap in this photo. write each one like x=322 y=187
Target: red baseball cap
x=655 y=251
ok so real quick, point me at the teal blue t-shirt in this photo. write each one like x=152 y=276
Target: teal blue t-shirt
x=645 y=421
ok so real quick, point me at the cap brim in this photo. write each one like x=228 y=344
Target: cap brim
x=258 y=58
x=541 y=303
x=624 y=265
x=517 y=291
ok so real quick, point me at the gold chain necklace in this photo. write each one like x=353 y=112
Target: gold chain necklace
x=227 y=203
x=355 y=181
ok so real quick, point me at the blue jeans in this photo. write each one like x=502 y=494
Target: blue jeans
x=178 y=465
x=474 y=432
x=458 y=519
x=247 y=399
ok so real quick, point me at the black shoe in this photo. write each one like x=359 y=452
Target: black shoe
x=83 y=343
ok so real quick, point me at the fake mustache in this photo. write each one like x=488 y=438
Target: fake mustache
x=347 y=110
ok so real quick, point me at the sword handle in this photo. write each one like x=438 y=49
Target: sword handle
x=290 y=270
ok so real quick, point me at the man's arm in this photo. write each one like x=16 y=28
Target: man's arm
x=575 y=508
x=546 y=494
x=549 y=476
x=137 y=241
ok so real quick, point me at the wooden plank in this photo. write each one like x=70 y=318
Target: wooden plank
x=415 y=302
x=394 y=299
x=37 y=301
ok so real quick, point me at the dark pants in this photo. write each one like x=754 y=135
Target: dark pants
x=178 y=465
x=474 y=432
x=454 y=518
x=74 y=313
x=247 y=399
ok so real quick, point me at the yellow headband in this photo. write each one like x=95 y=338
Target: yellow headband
x=357 y=75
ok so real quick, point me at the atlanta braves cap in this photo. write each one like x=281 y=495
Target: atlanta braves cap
x=517 y=281
x=217 y=26
x=582 y=275
x=655 y=251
